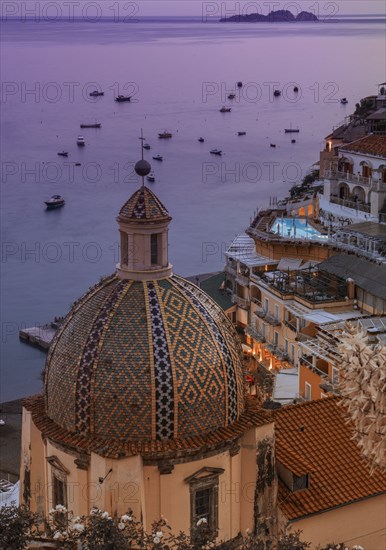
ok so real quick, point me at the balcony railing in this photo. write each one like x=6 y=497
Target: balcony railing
x=291 y=326
x=252 y=331
x=242 y=302
x=355 y=205
x=272 y=320
x=350 y=178
x=230 y=269
x=242 y=280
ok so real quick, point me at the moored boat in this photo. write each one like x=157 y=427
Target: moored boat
x=291 y=130
x=96 y=125
x=80 y=141
x=277 y=93
x=241 y=133
x=150 y=177
x=95 y=93
x=216 y=152
x=225 y=109
x=344 y=100
x=63 y=154
x=201 y=139
x=146 y=146
x=231 y=96
x=122 y=98
x=158 y=157
x=165 y=135
x=56 y=201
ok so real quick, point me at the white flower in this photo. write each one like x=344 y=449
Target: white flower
x=57 y=535
x=78 y=527
x=201 y=521
x=156 y=540
x=94 y=511
x=121 y=526
x=105 y=515
x=52 y=511
x=159 y=534
x=60 y=508
x=125 y=517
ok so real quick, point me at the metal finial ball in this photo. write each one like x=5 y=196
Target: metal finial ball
x=142 y=168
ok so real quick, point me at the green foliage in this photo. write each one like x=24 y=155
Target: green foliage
x=15 y=525
x=103 y=532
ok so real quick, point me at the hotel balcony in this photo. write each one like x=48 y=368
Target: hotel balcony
x=350 y=178
x=272 y=320
x=355 y=205
x=242 y=280
x=252 y=331
x=241 y=302
x=231 y=269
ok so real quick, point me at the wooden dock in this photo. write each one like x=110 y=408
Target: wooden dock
x=40 y=337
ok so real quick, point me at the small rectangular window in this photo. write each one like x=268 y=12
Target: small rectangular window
x=286 y=346
x=263 y=330
x=307 y=391
x=154 y=249
x=335 y=375
x=59 y=492
x=203 y=504
x=276 y=314
x=266 y=305
x=276 y=338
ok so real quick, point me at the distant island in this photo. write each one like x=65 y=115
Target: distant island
x=280 y=16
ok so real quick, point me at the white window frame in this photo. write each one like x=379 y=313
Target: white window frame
x=335 y=374
x=276 y=312
x=307 y=390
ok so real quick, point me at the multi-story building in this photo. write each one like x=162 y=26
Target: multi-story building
x=319 y=373
x=355 y=183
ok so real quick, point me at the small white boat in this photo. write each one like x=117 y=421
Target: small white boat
x=225 y=109
x=146 y=146
x=201 y=139
x=56 y=201
x=344 y=101
x=80 y=141
x=150 y=177
x=158 y=157
x=216 y=152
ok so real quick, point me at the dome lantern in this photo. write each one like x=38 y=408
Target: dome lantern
x=143 y=225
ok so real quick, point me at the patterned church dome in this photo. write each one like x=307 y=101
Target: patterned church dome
x=145 y=360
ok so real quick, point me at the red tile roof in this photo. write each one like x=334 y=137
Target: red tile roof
x=314 y=438
x=117 y=448
x=368 y=145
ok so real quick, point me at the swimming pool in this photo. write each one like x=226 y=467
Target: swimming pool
x=296 y=228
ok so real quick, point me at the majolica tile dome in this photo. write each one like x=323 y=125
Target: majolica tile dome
x=144 y=355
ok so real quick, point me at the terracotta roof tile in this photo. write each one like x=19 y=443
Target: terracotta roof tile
x=369 y=145
x=318 y=434
x=116 y=448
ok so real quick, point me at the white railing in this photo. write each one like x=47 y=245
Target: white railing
x=242 y=302
x=350 y=178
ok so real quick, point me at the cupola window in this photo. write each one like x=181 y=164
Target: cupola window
x=154 y=249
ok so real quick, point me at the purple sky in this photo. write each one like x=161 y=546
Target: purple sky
x=216 y=8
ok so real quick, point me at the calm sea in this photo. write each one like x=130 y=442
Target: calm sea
x=179 y=73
